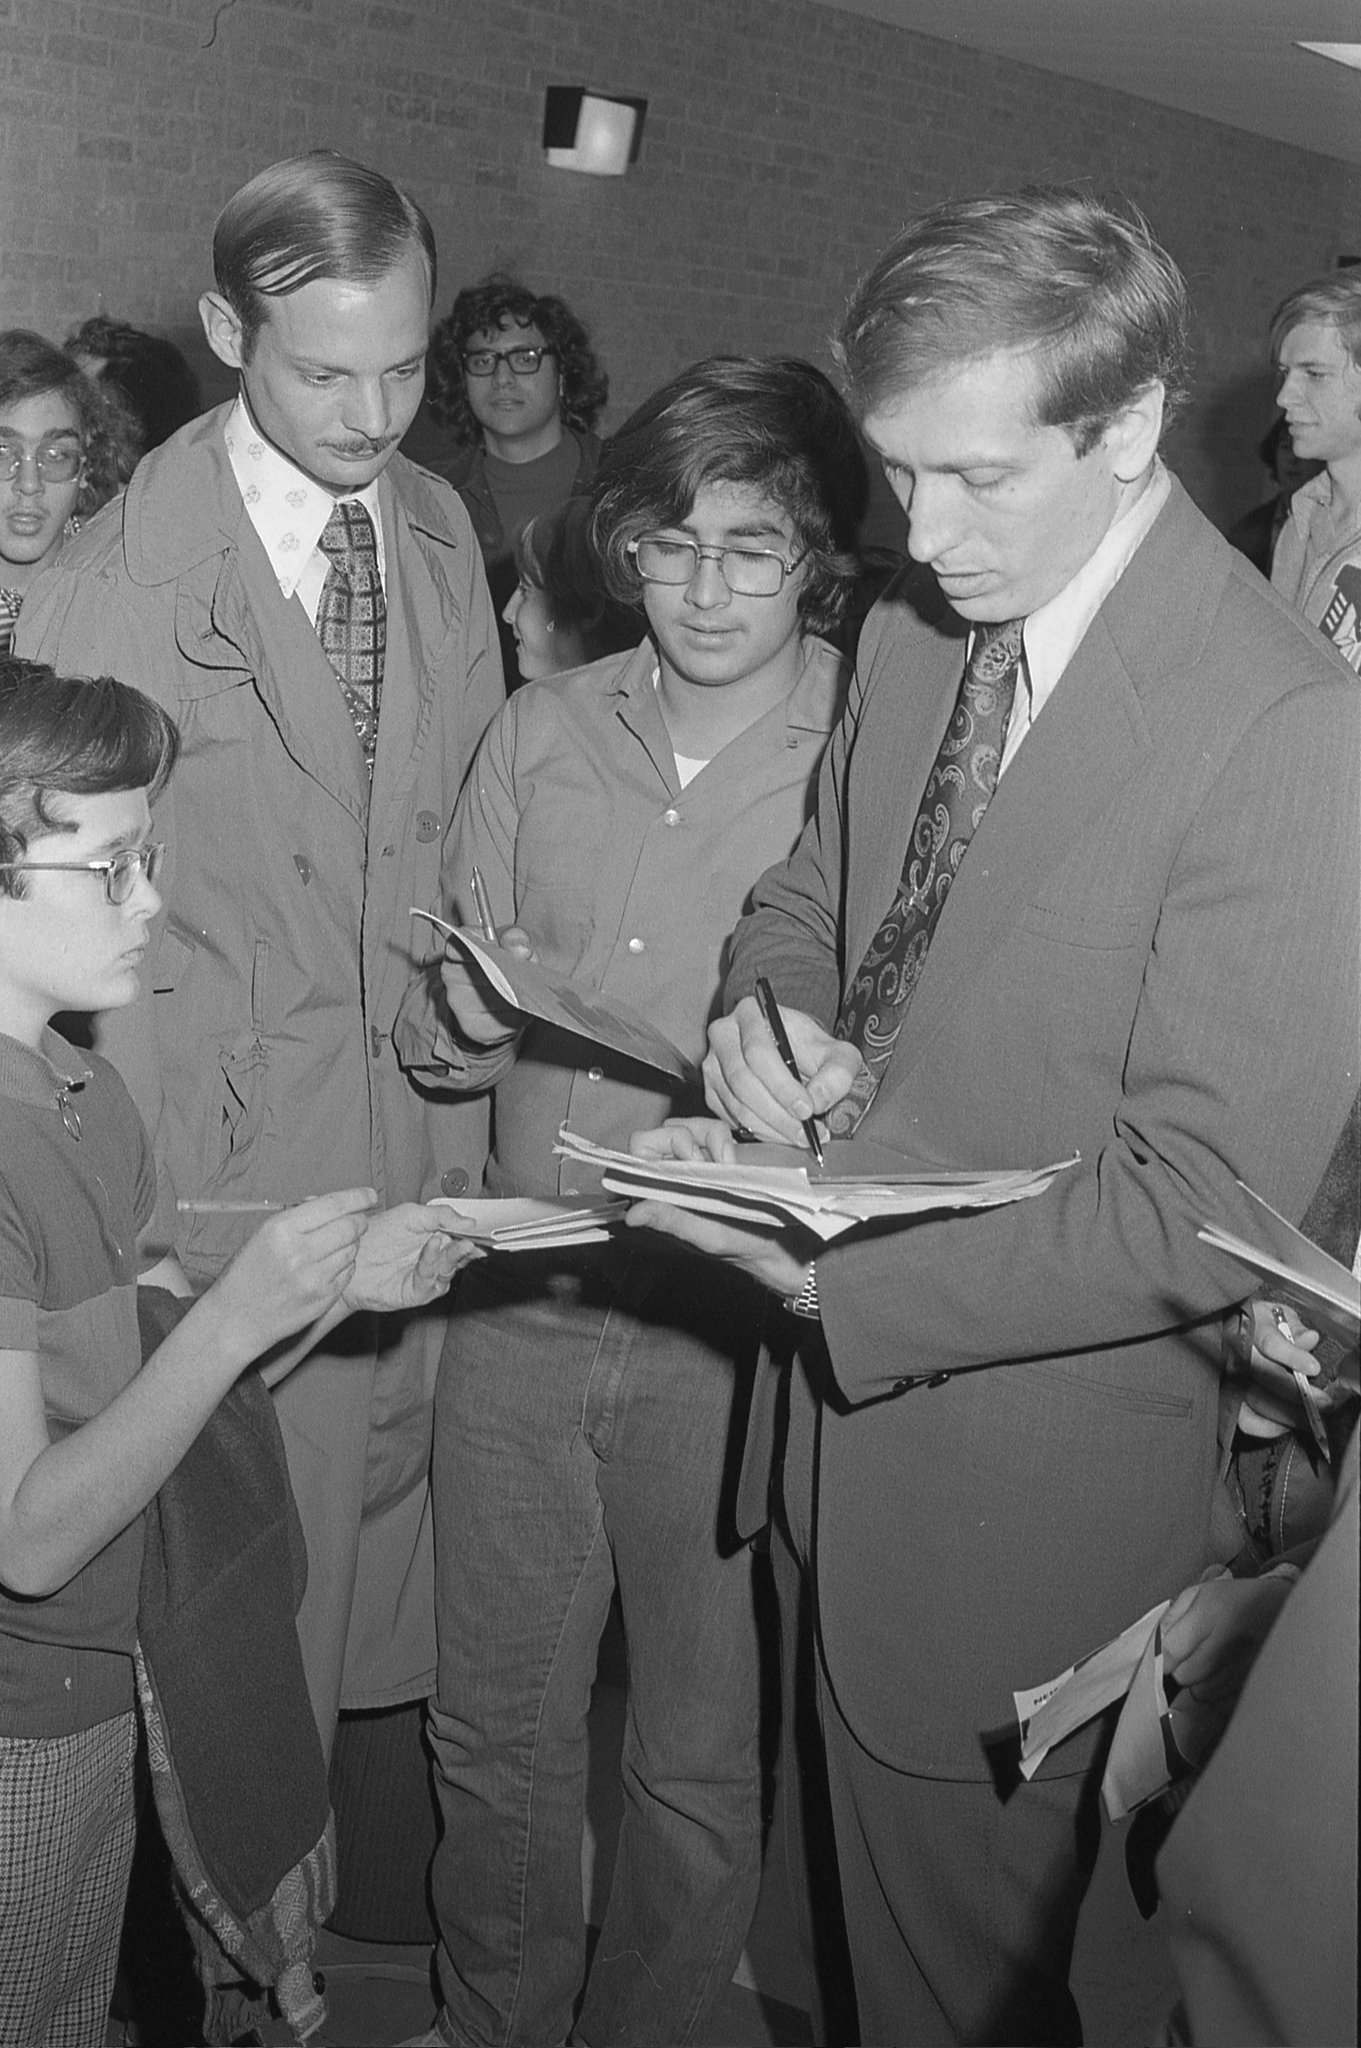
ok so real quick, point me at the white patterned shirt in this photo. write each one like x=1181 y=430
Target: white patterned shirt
x=288 y=510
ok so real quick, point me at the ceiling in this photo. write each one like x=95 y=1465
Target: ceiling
x=1227 y=60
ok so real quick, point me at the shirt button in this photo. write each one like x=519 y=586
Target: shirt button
x=670 y=817
x=636 y=946
x=454 y=1182
x=595 y=1073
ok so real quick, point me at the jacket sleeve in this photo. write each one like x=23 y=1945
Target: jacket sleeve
x=1240 y=1064
x=481 y=834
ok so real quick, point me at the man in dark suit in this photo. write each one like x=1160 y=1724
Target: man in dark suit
x=1098 y=898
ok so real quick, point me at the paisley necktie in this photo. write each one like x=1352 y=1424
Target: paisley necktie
x=958 y=791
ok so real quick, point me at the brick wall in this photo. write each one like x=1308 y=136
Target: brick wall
x=784 y=143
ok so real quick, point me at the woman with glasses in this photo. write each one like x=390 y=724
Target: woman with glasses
x=66 y=445
x=588 y=1403
x=515 y=382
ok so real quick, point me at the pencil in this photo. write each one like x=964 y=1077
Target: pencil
x=230 y=1208
x=483 y=905
x=770 y=1010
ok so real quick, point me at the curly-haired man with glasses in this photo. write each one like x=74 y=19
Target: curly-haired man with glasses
x=515 y=382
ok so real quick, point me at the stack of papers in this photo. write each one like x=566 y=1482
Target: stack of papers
x=517 y=1224
x=775 y=1185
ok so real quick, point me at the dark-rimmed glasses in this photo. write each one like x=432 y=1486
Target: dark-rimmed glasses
x=748 y=572
x=119 y=871
x=481 y=362
x=56 y=462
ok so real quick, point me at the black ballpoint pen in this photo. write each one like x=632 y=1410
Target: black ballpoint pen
x=770 y=1010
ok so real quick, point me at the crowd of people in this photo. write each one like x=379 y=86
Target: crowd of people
x=610 y=706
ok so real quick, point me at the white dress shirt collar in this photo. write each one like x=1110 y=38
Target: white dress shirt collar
x=1054 y=632
x=288 y=510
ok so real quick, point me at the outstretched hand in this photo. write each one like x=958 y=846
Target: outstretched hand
x=687 y=1137
x=407 y=1257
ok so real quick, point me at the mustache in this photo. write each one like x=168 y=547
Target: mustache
x=361 y=445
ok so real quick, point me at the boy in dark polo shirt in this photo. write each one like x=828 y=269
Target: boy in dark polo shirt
x=87 y=1433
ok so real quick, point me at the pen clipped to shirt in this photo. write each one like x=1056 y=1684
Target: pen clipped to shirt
x=770 y=1010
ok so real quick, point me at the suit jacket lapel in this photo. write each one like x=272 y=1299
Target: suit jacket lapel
x=1088 y=741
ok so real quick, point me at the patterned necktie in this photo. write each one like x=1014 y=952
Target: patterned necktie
x=352 y=618
x=958 y=791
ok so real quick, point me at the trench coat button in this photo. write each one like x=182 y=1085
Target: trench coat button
x=388 y=852
x=671 y=817
x=427 y=826
x=595 y=1073
x=375 y=1041
x=636 y=946
x=454 y=1182
x=304 y=867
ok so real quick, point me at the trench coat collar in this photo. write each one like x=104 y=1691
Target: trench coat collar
x=183 y=505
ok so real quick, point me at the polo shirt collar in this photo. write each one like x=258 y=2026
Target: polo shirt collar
x=40 y=1076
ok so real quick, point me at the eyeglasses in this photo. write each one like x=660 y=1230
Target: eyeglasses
x=56 y=463
x=120 y=872
x=481 y=362
x=748 y=572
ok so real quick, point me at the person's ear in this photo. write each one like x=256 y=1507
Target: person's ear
x=1133 y=435
x=223 y=330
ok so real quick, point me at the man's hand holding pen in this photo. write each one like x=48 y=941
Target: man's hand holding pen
x=748 y=1082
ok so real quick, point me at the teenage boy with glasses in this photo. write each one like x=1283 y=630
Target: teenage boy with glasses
x=87 y=1432
x=620 y=815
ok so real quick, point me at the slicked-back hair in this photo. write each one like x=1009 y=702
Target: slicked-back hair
x=555 y=553
x=308 y=217
x=71 y=736
x=1077 y=283
x=1336 y=300
x=777 y=425
x=500 y=301
x=110 y=436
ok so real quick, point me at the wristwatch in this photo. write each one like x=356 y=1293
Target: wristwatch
x=805 y=1302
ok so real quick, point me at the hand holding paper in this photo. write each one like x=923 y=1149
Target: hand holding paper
x=523 y=984
x=479 y=1011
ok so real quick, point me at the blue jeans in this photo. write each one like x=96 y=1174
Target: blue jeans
x=584 y=1420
